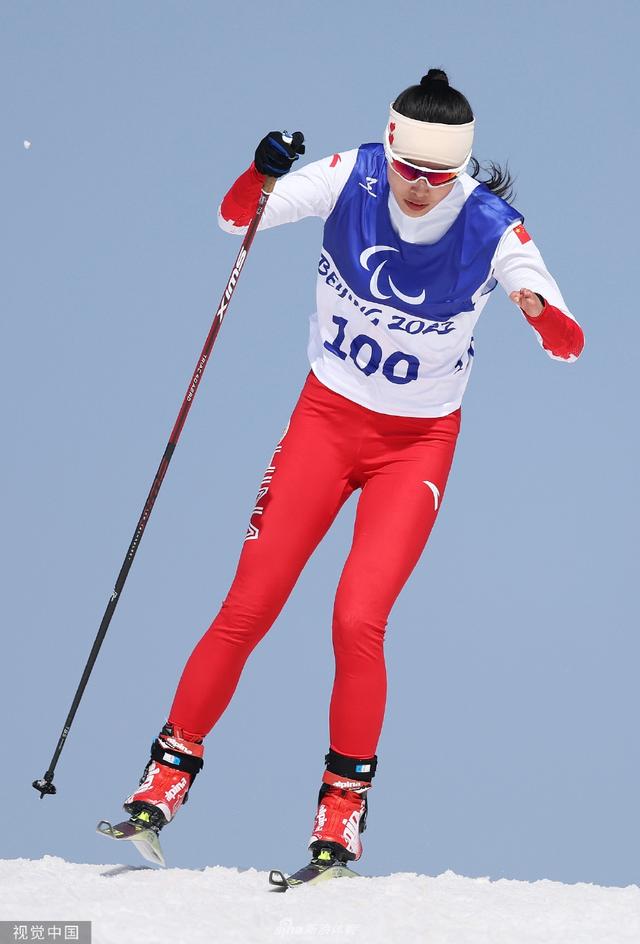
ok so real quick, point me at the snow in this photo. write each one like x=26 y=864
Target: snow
x=140 y=905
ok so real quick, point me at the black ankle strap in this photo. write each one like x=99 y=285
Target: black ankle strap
x=172 y=758
x=353 y=768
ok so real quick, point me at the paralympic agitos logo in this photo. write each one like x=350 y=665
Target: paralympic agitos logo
x=374 y=284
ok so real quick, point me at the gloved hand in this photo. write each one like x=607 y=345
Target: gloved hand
x=277 y=151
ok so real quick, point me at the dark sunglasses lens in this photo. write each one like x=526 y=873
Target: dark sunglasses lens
x=409 y=173
x=437 y=180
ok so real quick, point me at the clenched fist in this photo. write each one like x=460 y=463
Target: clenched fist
x=277 y=151
x=529 y=302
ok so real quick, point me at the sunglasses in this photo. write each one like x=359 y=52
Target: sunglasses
x=413 y=172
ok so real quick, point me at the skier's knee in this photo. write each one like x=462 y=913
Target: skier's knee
x=243 y=622
x=358 y=631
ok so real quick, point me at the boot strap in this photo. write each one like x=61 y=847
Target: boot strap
x=362 y=769
x=172 y=758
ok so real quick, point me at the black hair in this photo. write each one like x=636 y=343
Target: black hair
x=435 y=100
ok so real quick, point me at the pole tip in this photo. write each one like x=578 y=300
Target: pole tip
x=45 y=786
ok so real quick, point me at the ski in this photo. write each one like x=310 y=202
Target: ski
x=140 y=832
x=322 y=867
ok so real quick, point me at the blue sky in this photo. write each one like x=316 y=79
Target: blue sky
x=508 y=747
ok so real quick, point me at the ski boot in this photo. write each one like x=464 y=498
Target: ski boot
x=341 y=816
x=339 y=821
x=176 y=760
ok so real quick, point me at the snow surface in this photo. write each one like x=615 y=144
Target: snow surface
x=140 y=905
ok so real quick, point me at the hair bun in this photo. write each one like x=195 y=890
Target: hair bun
x=434 y=75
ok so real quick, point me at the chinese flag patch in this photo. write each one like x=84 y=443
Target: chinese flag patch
x=334 y=160
x=522 y=234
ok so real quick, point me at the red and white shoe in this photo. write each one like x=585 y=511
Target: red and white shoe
x=340 y=817
x=164 y=786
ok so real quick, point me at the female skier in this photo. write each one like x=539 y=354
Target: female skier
x=412 y=247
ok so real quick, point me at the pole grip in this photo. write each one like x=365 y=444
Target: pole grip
x=269 y=184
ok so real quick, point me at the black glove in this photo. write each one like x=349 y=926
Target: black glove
x=277 y=151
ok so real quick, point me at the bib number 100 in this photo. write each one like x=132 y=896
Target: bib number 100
x=366 y=354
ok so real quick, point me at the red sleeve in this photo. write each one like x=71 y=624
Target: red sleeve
x=561 y=335
x=241 y=201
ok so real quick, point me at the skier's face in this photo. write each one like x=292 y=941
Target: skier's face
x=415 y=197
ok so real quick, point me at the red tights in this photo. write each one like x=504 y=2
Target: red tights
x=331 y=447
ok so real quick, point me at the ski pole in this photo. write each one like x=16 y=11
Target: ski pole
x=45 y=785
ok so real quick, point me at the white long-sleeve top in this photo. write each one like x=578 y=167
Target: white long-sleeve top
x=313 y=190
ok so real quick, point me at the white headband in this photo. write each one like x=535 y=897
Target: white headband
x=448 y=145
